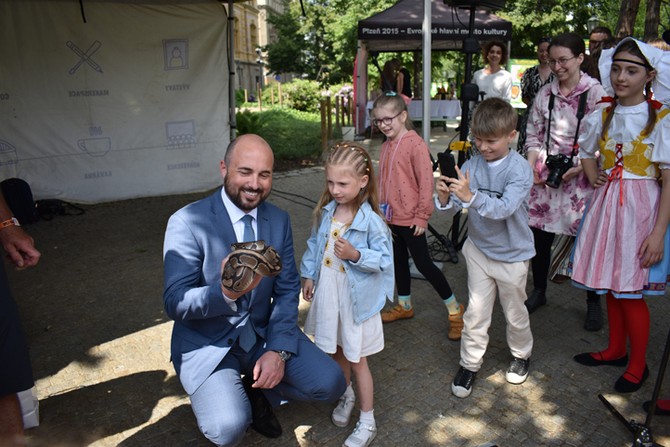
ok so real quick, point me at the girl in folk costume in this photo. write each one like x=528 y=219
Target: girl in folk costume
x=622 y=249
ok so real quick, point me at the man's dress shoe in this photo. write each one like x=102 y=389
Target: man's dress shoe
x=264 y=420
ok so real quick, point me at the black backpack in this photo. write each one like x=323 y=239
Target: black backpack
x=19 y=198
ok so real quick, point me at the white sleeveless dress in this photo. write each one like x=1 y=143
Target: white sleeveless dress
x=330 y=319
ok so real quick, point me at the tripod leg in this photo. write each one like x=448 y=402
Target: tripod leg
x=616 y=413
x=454 y=228
x=459 y=229
x=659 y=381
x=446 y=243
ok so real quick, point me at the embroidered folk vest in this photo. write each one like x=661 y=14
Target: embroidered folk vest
x=636 y=154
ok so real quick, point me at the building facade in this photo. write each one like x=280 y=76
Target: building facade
x=251 y=33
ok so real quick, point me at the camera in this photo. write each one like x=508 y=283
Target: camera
x=558 y=165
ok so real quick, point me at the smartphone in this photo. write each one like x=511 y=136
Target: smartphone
x=447 y=164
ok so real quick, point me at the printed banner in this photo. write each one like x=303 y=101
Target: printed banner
x=113 y=101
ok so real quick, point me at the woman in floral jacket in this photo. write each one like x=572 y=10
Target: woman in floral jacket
x=558 y=210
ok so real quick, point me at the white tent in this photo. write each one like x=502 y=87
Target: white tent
x=108 y=99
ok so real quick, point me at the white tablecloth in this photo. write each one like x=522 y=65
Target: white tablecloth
x=440 y=110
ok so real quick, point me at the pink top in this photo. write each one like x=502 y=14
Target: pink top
x=406 y=180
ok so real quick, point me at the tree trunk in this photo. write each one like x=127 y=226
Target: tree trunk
x=627 y=15
x=651 y=20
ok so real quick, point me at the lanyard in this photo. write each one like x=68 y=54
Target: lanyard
x=388 y=168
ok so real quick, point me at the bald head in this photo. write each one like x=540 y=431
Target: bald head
x=247 y=141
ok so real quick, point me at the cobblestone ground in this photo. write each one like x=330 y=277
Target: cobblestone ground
x=100 y=346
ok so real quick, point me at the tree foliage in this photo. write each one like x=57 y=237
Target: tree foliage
x=321 y=45
x=533 y=19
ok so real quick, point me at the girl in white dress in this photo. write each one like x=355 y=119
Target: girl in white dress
x=348 y=275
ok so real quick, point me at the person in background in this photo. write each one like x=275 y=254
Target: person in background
x=531 y=81
x=659 y=43
x=406 y=198
x=493 y=80
x=348 y=276
x=389 y=76
x=494 y=187
x=16 y=373
x=600 y=39
x=220 y=333
x=552 y=131
x=403 y=79
x=598 y=35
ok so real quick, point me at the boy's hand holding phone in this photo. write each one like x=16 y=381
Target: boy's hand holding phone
x=450 y=175
x=447 y=164
x=442 y=189
x=461 y=186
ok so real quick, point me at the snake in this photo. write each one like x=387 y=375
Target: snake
x=247 y=260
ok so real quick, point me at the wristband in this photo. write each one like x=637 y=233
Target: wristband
x=10 y=222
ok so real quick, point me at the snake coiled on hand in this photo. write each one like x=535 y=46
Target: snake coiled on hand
x=247 y=260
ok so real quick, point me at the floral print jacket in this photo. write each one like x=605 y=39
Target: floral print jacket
x=559 y=210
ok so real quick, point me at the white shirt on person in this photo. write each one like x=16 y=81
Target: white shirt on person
x=495 y=85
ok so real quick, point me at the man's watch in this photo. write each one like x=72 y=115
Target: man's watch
x=284 y=355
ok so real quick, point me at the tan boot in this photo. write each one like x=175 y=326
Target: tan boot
x=397 y=313
x=456 y=324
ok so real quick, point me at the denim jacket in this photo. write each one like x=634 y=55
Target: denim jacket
x=371 y=278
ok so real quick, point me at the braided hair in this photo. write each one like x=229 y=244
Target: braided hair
x=352 y=155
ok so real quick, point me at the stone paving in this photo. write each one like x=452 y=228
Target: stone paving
x=99 y=340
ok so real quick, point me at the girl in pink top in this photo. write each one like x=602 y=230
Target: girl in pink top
x=406 y=196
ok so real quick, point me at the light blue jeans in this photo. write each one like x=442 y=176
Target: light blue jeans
x=221 y=406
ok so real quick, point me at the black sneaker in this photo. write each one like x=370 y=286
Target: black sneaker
x=517 y=373
x=462 y=384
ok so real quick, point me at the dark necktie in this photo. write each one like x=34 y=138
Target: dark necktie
x=249 y=234
x=247 y=335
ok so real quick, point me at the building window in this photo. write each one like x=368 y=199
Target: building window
x=253 y=35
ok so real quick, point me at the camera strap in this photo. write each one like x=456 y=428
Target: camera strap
x=580 y=114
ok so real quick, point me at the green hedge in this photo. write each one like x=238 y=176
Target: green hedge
x=292 y=134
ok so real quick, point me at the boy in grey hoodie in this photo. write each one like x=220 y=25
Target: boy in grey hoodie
x=493 y=186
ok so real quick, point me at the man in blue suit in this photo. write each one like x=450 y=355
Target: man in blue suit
x=212 y=324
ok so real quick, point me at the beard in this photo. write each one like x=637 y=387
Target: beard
x=236 y=196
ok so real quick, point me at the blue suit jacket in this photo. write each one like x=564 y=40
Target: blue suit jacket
x=197 y=239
